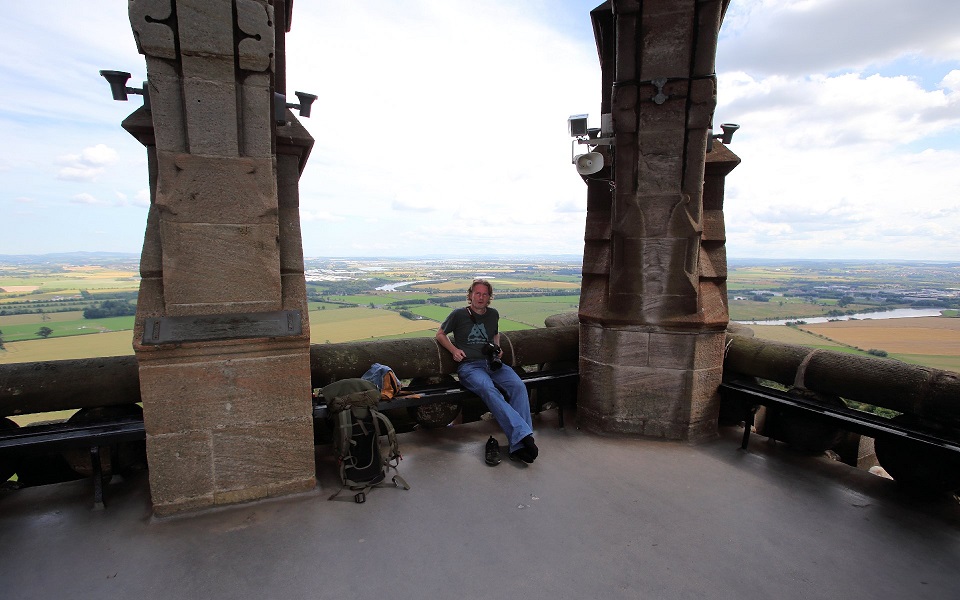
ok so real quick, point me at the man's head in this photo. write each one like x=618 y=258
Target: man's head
x=480 y=293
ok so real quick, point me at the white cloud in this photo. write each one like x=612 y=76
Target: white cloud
x=842 y=203
x=79 y=173
x=88 y=199
x=798 y=37
x=99 y=155
x=951 y=81
x=412 y=206
x=834 y=111
x=464 y=122
x=89 y=165
x=142 y=197
x=848 y=132
x=306 y=216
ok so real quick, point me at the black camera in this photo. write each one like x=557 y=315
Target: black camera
x=493 y=355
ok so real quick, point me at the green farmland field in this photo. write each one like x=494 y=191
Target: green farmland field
x=430 y=311
x=53 y=317
x=529 y=312
x=28 y=331
x=533 y=311
x=793 y=335
x=947 y=363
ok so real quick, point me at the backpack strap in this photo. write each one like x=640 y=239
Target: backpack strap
x=393 y=457
x=391 y=460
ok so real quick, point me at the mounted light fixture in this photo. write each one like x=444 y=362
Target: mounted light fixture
x=280 y=106
x=589 y=162
x=726 y=137
x=119 y=89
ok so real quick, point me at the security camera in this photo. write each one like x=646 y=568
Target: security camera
x=577 y=125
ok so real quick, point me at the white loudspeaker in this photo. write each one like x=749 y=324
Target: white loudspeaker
x=589 y=163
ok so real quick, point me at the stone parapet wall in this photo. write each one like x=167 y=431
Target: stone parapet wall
x=81 y=383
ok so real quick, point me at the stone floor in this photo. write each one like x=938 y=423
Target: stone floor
x=594 y=517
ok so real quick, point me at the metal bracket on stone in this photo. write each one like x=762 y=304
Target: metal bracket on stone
x=202 y=328
x=660 y=98
x=658 y=83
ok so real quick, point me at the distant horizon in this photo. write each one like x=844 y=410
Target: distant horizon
x=488 y=256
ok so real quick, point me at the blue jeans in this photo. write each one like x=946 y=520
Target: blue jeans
x=512 y=413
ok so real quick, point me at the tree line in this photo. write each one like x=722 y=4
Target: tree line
x=109 y=308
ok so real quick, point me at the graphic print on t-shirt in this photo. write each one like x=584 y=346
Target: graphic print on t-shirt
x=478 y=334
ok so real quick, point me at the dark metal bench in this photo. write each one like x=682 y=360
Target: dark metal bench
x=752 y=395
x=455 y=394
x=56 y=437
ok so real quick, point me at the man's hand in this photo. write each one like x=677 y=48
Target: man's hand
x=444 y=341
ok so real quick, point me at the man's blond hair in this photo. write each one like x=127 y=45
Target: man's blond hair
x=477 y=282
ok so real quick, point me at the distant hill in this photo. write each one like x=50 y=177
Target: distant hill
x=69 y=258
x=807 y=262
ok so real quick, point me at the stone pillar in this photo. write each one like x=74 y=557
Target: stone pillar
x=222 y=336
x=653 y=303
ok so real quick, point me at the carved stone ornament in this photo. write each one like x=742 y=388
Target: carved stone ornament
x=256 y=21
x=151 y=29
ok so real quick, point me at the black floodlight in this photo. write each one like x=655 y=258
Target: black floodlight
x=119 y=89
x=726 y=137
x=280 y=106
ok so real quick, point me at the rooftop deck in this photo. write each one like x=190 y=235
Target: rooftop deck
x=594 y=517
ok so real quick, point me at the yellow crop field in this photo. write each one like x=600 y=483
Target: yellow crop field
x=938 y=336
x=98 y=272
x=350 y=324
x=114 y=343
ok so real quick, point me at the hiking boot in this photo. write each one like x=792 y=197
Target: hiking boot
x=491 y=454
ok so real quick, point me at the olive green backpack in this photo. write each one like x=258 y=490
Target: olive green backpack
x=357 y=430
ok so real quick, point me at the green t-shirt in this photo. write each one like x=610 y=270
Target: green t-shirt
x=468 y=336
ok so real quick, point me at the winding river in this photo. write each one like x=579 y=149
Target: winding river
x=899 y=313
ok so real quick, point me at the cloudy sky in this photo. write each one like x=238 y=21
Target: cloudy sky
x=441 y=127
